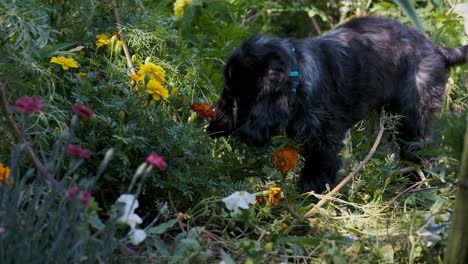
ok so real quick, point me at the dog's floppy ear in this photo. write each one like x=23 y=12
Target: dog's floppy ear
x=273 y=80
x=268 y=60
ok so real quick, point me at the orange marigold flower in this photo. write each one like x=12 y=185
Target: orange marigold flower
x=274 y=194
x=285 y=158
x=4 y=174
x=260 y=199
x=205 y=111
x=284 y=225
x=134 y=77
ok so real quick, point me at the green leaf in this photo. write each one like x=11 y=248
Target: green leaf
x=161 y=247
x=184 y=248
x=226 y=258
x=95 y=222
x=51 y=50
x=162 y=228
x=408 y=8
x=387 y=254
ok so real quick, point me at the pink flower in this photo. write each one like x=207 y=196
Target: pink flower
x=83 y=111
x=78 y=151
x=71 y=193
x=157 y=161
x=29 y=104
x=85 y=197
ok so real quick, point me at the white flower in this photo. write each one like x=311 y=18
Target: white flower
x=137 y=236
x=238 y=200
x=131 y=203
x=131 y=220
x=128 y=216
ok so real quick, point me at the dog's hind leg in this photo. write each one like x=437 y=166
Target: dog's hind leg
x=415 y=129
x=417 y=98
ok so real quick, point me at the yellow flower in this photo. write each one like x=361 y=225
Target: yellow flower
x=274 y=194
x=4 y=173
x=179 y=6
x=103 y=40
x=66 y=63
x=81 y=74
x=285 y=158
x=156 y=89
x=174 y=91
x=154 y=71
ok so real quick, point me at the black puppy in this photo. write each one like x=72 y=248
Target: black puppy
x=317 y=88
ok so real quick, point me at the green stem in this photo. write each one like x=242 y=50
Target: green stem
x=457 y=247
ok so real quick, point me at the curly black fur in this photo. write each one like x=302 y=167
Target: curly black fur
x=364 y=64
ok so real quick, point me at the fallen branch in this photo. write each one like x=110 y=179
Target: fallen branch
x=348 y=178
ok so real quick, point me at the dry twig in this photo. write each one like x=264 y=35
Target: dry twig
x=348 y=178
x=118 y=20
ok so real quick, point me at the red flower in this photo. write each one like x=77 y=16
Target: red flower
x=83 y=111
x=72 y=192
x=29 y=104
x=205 y=111
x=78 y=151
x=157 y=161
x=85 y=197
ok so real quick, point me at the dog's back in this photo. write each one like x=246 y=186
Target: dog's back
x=379 y=61
x=402 y=40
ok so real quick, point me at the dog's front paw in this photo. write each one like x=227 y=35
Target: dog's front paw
x=317 y=184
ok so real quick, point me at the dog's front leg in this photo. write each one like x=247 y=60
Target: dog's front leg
x=321 y=166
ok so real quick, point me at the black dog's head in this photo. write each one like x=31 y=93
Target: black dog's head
x=254 y=102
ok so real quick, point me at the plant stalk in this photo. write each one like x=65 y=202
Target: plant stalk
x=457 y=246
x=118 y=20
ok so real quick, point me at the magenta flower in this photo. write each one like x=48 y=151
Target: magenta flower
x=72 y=192
x=29 y=104
x=83 y=111
x=156 y=160
x=85 y=197
x=78 y=151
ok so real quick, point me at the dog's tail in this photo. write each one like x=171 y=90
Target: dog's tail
x=455 y=56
